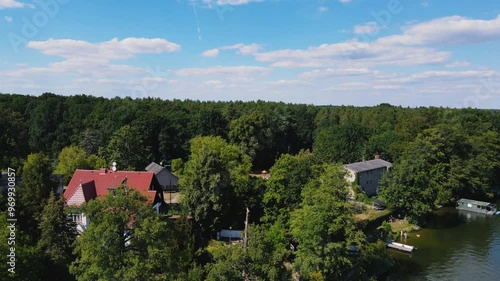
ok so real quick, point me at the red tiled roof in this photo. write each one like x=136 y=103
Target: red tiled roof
x=103 y=179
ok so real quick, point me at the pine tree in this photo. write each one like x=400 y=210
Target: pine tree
x=58 y=232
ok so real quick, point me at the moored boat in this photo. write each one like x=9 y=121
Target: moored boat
x=477 y=206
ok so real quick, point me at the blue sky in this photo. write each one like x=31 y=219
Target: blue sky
x=351 y=52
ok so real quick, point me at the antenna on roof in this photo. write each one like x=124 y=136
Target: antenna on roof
x=113 y=167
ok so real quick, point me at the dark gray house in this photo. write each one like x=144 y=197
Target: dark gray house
x=367 y=174
x=166 y=179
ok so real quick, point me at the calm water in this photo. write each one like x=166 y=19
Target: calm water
x=456 y=245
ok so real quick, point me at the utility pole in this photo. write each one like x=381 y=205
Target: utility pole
x=244 y=274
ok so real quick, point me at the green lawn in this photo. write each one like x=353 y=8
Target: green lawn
x=401 y=225
x=371 y=214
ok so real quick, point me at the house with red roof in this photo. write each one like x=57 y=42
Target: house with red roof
x=86 y=185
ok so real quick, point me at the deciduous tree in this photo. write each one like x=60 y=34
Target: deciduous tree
x=126 y=147
x=214 y=176
x=324 y=227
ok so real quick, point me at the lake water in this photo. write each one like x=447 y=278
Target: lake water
x=455 y=245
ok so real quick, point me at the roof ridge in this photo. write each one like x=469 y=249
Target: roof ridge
x=111 y=172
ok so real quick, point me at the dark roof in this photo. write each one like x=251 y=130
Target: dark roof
x=368 y=165
x=89 y=191
x=154 y=167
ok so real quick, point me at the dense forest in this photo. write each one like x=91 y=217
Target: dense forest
x=302 y=227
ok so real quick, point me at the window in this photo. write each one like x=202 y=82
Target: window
x=76 y=218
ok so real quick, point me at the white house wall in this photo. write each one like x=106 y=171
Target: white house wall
x=77 y=198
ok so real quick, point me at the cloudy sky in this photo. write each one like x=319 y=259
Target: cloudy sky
x=351 y=52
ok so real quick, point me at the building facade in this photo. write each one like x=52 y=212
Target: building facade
x=367 y=174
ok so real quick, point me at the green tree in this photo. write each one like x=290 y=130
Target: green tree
x=126 y=240
x=126 y=147
x=324 y=227
x=71 y=158
x=442 y=165
x=267 y=252
x=58 y=233
x=28 y=264
x=252 y=133
x=288 y=176
x=341 y=144
x=227 y=262
x=381 y=144
x=13 y=139
x=95 y=162
x=91 y=141
x=214 y=177
x=34 y=191
x=45 y=119
x=415 y=181
x=177 y=166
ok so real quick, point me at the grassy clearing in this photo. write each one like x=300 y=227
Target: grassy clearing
x=401 y=225
x=371 y=214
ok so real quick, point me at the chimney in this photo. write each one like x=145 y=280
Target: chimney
x=377 y=156
x=102 y=171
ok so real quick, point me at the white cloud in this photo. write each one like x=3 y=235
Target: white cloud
x=330 y=73
x=367 y=28
x=345 y=1
x=225 y=71
x=79 y=67
x=229 y=2
x=454 y=30
x=4 y=4
x=454 y=75
x=456 y=64
x=387 y=87
x=399 y=50
x=243 y=49
x=322 y=9
x=285 y=83
x=211 y=53
x=85 y=59
x=109 y=50
x=424 y=4
x=213 y=82
x=353 y=54
x=8 y=19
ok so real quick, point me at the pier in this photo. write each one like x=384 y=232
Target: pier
x=400 y=246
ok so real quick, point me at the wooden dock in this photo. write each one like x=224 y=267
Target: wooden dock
x=401 y=247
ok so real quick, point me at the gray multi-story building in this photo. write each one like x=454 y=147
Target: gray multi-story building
x=367 y=174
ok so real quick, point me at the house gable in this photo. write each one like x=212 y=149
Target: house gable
x=77 y=198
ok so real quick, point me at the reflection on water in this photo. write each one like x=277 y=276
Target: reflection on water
x=455 y=245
